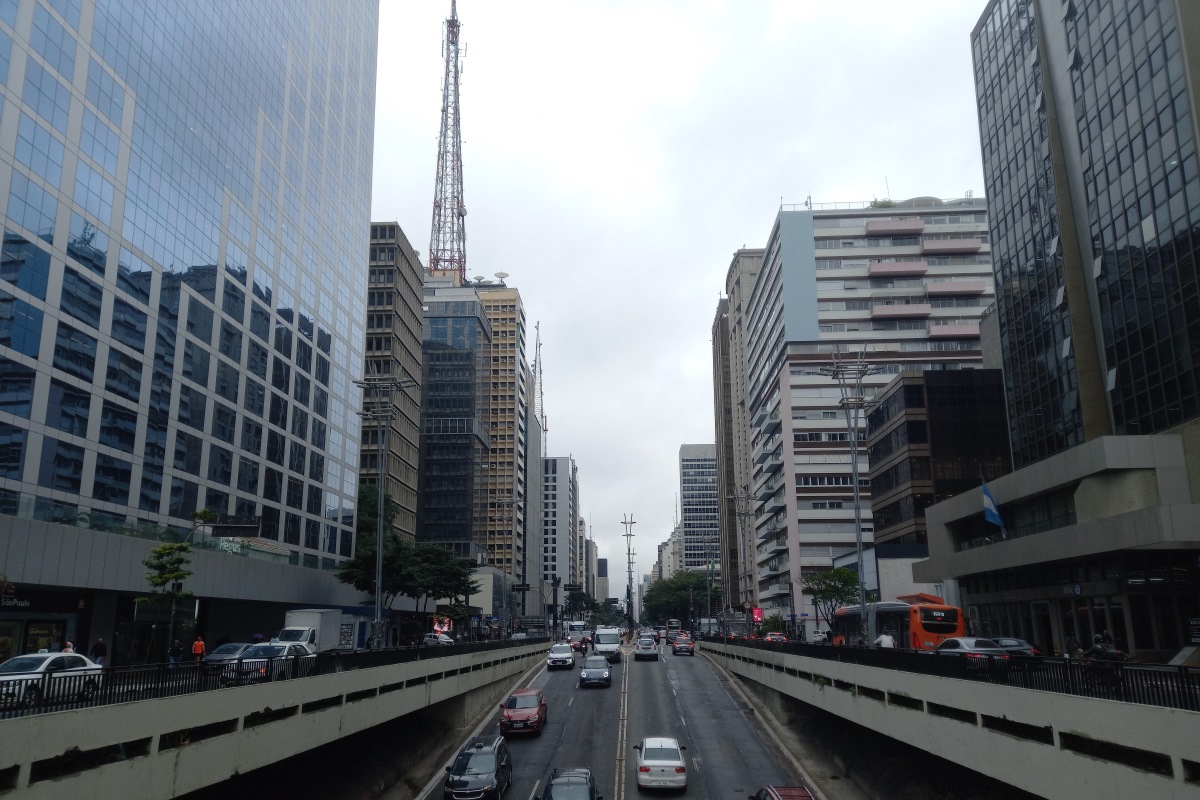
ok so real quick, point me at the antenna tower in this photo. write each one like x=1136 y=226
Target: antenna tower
x=448 y=237
x=539 y=401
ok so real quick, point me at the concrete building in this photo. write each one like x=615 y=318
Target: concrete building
x=901 y=285
x=1088 y=125
x=560 y=518
x=603 y=587
x=590 y=560
x=698 y=506
x=393 y=355
x=183 y=297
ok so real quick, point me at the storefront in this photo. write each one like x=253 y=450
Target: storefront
x=33 y=620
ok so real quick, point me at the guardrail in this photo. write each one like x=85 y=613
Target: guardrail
x=28 y=693
x=1130 y=682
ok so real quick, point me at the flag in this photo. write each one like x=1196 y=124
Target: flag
x=991 y=513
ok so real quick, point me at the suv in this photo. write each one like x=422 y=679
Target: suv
x=571 y=784
x=560 y=655
x=646 y=648
x=437 y=639
x=482 y=769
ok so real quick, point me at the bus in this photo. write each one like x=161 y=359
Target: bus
x=672 y=629
x=920 y=625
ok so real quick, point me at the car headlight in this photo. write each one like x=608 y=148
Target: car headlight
x=606 y=674
x=491 y=787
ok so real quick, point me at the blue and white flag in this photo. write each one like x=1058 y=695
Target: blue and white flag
x=991 y=513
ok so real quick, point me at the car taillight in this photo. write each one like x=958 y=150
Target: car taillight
x=643 y=769
x=1003 y=656
x=1036 y=652
x=680 y=770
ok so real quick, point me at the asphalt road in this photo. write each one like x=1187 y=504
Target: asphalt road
x=729 y=755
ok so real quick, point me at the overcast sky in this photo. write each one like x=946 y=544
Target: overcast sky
x=617 y=153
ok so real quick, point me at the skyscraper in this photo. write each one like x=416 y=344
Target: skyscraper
x=182 y=315
x=698 y=506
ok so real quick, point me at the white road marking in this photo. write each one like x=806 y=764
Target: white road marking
x=533 y=794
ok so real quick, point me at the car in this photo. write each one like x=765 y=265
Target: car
x=437 y=639
x=646 y=648
x=575 y=638
x=683 y=646
x=1017 y=647
x=525 y=711
x=595 y=672
x=264 y=663
x=560 y=655
x=519 y=636
x=977 y=653
x=219 y=659
x=820 y=636
x=32 y=680
x=482 y=770
x=660 y=764
x=774 y=636
x=575 y=783
x=783 y=793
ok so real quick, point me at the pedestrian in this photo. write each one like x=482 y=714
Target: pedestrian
x=98 y=652
x=885 y=640
x=1107 y=638
x=68 y=648
x=198 y=649
x=175 y=653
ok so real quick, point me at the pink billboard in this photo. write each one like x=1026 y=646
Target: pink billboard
x=756 y=614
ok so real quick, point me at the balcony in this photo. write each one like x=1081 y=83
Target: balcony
x=888 y=227
x=883 y=269
x=773 y=462
x=772 y=423
x=776 y=504
x=765 y=450
x=956 y=287
x=941 y=246
x=953 y=331
x=772 y=590
x=901 y=310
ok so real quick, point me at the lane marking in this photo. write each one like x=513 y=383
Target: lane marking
x=533 y=794
x=622 y=738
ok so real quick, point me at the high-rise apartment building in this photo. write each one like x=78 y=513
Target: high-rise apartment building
x=734 y=467
x=698 y=506
x=392 y=393
x=182 y=296
x=1089 y=125
x=560 y=515
x=603 y=589
x=904 y=285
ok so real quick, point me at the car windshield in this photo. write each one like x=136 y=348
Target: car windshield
x=522 y=701
x=660 y=754
x=23 y=664
x=645 y=643
x=264 y=651
x=986 y=643
x=566 y=791
x=475 y=764
x=560 y=649
x=596 y=662
x=227 y=650
x=293 y=635
x=608 y=638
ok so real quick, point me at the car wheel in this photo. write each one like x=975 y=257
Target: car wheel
x=32 y=698
x=88 y=692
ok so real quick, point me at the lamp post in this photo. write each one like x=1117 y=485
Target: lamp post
x=628 y=521
x=849 y=375
x=744 y=512
x=381 y=416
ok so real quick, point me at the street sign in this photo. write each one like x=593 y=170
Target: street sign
x=520 y=587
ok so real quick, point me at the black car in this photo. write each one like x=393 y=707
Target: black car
x=571 y=784
x=482 y=770
x=595 y=672
x=975 y=653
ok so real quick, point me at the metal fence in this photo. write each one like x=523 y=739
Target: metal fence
x=1130 y=682
x=22 y=694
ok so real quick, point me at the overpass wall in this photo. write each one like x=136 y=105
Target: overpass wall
x=155 y=749
x=1057 y=746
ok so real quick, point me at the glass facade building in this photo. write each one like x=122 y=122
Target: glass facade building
x=186 y=191
x=698 y=506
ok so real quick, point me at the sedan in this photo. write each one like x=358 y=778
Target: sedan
x=34 y=679
x=525 y=711
x=646 y=648
x=560 y=655
x=1017 y=647
x=264 y=663
x=683 y=646
x=975 y=653
x=595 y=672
x=218 y=660
x=660 y=764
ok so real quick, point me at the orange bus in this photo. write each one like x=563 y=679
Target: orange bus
x=918 y=625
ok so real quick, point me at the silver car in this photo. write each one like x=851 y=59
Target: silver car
x=646 y=648
x=560 y=655
x=38 y=678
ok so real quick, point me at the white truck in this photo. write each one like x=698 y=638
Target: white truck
x=607 y=642
x=321 y=630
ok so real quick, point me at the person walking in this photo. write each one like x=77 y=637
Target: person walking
x=175 y=653
x=198 y=649
x=99 y=651
x=885 y=640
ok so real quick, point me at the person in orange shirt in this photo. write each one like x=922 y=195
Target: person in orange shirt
x=198 y=650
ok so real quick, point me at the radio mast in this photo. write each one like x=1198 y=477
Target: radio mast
x=448 y=237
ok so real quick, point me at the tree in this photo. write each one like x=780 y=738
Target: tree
x=774 y=623
x=677 y=597
x=440 y=573
x=831 y=590
x=399 y=574
x=167 y=565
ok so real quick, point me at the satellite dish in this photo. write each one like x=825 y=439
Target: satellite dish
x=478 y=279
x=501 y=275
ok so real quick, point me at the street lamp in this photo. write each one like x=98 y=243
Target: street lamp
x=381 y=415
x=849 y=375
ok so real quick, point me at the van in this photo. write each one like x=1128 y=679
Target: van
x=607 y=642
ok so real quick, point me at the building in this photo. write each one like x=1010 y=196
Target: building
x=560 y=516
x=183 y=300
x=455 y=435
x=392 y=392
x=1088 y=127
x=698 y=506
x=590 y=561
x=603 y=591
x=882 y=287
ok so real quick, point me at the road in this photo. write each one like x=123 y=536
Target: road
x=729 y=755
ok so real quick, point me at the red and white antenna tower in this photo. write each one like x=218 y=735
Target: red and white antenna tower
x=448 y=238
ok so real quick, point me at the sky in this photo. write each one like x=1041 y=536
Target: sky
x=616 y=153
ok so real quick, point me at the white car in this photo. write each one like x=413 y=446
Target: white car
x=38 y=678
x=560 y=655
x=437 y=639
x=660 y=764
x=646 y=648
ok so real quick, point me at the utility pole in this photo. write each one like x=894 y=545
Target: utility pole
x=628 y=522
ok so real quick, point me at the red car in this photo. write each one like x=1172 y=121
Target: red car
x=523 y=712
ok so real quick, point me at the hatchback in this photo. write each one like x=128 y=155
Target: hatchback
x=660 y=764
x=646 y=648
x=571 y=784
x=525 y=711
x=683 y=646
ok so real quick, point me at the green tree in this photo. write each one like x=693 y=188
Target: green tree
x=167 y=570
x=832 y=589
x=774 y=623
x=680 y=597
x=440 y=573
x=399 y=574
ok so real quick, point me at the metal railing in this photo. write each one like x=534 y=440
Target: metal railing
x=1125 y=681
x=30 y=693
